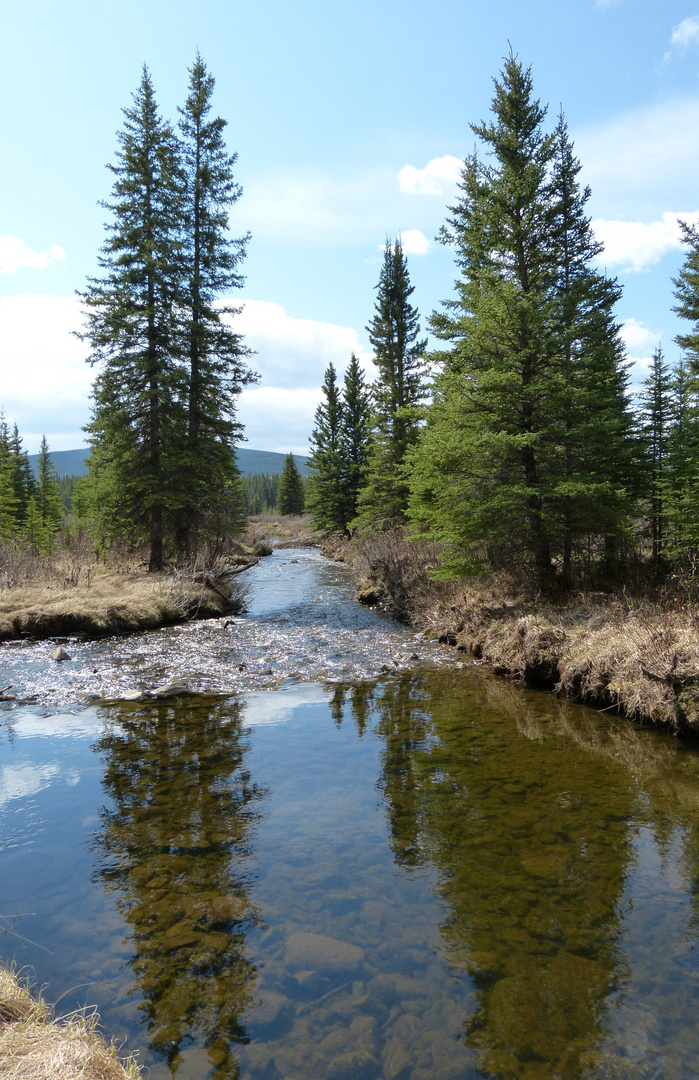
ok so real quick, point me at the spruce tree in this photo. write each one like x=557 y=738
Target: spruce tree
x=326 y=500
x=480 y=477
x=24 y=482
x=355 y=436
x=131 y=324
x=8 y=496
x=516 y=464
x=397 y=394
x=290 y=493
x=48 y=497
x=656 y=416
x=213 y=353
x=681 y=486
x=592 y=494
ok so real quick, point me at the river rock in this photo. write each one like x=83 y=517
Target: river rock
x=317 y=952
x=396 y=1060
x=60 y=654
x=168 y=690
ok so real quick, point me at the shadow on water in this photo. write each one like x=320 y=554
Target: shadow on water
x=175 y=850
x=532 y=813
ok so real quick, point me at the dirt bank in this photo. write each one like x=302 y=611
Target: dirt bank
x=611 y=652
x=114 y=601
x=35 y=1046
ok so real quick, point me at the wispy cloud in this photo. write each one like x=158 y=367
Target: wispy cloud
x=642 y=156
x=438 y=176
x=638 y=245
x=15 y=255
x=685 y=33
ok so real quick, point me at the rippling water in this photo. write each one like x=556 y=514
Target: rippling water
x=432 y=875
x=302 y=624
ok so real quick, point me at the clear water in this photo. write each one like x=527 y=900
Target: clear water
x=430 y=875
x=302 y=624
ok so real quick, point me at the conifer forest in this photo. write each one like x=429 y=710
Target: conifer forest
x=514 y=440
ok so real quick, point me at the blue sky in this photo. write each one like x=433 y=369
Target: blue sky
x=349 y=121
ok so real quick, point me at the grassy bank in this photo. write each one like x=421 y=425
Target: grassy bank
x=283 y=530
x=633 y=655
x=36 y=1046
x=55 y=595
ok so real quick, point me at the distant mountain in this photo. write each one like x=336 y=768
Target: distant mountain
x=72 y=462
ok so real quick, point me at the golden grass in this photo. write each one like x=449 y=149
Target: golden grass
x=608 y=652
x=35 y=1046
x=288 y=530
x=113 y=602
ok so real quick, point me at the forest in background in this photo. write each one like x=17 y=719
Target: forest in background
x=515 y=446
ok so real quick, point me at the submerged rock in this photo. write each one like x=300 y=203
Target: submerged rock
x=317 y=952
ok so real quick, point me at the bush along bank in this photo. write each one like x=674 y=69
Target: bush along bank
x=611 y=652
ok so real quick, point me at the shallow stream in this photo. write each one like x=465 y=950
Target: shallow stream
x=426 y=874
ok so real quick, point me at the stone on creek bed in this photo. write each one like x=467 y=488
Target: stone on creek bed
x=158 y=693
x=316 y=952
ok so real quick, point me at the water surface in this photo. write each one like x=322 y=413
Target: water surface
x=434 y=874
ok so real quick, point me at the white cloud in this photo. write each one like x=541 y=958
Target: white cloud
x=640 y=342
x=637 y=337
x=278 y=418
x=685 y=33
x=413 y=242
x=641 y=157
x=15 y=255
x=315 y=209
x=45 y=382
x=294 y=353
x=438 y=175
x=20 y=781
x=638 y=245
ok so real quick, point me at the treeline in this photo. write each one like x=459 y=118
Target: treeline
x=162 y=467
x=279 y=493
x=31 y=507
x=517 y=444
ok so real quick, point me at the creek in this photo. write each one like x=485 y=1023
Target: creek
x=347 y=858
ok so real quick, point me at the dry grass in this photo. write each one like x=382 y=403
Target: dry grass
x=636 y=657
x=35 y=1046
x=287 y=530
x=111 y=601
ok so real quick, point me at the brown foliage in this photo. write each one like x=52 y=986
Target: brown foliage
x=640 y=658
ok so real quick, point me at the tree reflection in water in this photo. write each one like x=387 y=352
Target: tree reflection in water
x=529 y=836
x=178 y=788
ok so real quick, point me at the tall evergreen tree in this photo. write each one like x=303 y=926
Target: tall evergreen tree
x=290 y=493
x=213 y=352
x=515 y=459
x=48 y=497
x=656 y=415
x=594 y=488
x=132 y=329
x=8 y=496
x=354 y=435
x=397 y=394
x=681 y=486
x=24 y=483
x=326 y=500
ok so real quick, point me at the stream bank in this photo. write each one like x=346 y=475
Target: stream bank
x=605 y=650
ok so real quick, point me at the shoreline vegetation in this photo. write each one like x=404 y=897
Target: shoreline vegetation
x=74 y=592
x=633 y=655
x=56 y=596
x=35 y=1045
